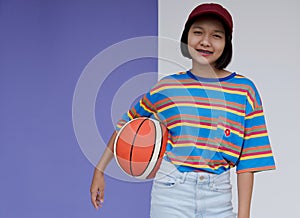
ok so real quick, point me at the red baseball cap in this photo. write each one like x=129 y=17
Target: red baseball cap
x=214 y=9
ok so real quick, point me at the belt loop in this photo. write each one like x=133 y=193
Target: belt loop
x=182 y=178
x=210 y=180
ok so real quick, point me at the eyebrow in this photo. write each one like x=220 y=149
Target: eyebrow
x=217 y=30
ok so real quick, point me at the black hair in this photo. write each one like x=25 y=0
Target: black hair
x=226 y=56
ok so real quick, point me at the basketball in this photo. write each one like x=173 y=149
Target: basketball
x=139 y=147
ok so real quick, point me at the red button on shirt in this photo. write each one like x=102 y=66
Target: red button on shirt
x=227 y=132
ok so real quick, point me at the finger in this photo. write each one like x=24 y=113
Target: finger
x=99 y=201
x=101 y=196
x=94 y=196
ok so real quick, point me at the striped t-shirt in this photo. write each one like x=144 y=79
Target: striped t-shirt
x=214 y=123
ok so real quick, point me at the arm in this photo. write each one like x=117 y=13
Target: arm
x=245 y=186
x=98 y=183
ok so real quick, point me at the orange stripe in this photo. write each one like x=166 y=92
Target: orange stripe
x=239 y=86
x=256 y=169
x=201 y=99
x=183 y=158
x=146 y=107
x=182 y=116
x=229 y=144
x=181 y=85
x=256 y=134
x=232 y=122
x=193 y=138
x=134 y=113
x=255 y=127
x=256 y=148
x=148 y=102
x=199 y=166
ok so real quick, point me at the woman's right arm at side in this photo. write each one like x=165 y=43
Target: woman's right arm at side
x=98 y=183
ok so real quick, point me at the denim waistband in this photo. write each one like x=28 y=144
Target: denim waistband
x=167 y=168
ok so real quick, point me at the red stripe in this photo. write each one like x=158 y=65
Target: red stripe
x=165 y=105
x=255 y=112
x=131 y=113
x=146 y=106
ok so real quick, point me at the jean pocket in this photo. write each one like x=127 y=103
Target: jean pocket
x=164 y=181
x=222 y=185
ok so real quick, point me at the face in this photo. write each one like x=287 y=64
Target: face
x=206 y=40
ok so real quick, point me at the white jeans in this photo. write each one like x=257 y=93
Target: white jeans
x=190 y=194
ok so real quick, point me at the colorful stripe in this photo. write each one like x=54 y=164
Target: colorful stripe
x=223 y=119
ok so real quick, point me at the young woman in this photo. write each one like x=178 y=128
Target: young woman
x=215 y=121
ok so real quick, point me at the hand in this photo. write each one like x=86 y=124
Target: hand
x=97 y=189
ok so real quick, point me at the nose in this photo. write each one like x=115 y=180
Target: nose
x=205 y=41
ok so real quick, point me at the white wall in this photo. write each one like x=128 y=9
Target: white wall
x=266 y=49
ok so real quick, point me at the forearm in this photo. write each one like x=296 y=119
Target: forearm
x=107 y=155
x=245 y=187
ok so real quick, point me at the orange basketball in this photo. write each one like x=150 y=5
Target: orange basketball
x=139 y=147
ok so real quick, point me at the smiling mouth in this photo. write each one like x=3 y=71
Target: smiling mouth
x=204 y=51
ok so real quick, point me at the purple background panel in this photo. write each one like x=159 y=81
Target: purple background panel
x=44 y=46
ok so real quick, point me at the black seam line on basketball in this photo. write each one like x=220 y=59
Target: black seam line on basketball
x=151 y=153
x=131 y=149
x=161 y=141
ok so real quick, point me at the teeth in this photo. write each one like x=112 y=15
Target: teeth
x=203 y=51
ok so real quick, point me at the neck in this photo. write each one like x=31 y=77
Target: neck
x=208 y=71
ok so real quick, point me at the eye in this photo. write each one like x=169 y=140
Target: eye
x=197 y=32
x=217 y=36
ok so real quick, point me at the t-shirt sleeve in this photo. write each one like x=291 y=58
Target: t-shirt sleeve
x=143 y=108
x=256 y=154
